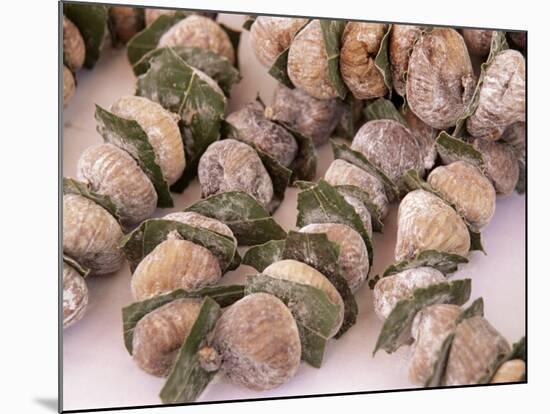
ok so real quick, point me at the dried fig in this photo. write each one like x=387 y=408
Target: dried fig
x=425 y=137
x=75 y=296
x=258 y=341
x=440 y=78
x=125 y=22
x=478 y=41
x=501 y=163
x=402 y=38
x=74 y=49
x=68 y=85
x=198 y=220
x=510 y=371
x=425 y=222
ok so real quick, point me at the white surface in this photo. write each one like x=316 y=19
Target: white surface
x=97 y=370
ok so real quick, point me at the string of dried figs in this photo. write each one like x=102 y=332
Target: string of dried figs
x=182 y=250
x=91 y=233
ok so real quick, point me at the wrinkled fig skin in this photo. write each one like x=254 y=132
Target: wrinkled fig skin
x=511 y=371
x=153 y=14
x=74 y=49
x=440 y=78
x=298 y=272
x=174 y=264
x=353 y=258
x=258 y=340
x=159 y=335
x=254 y=128
x=391 y=289
x=162 y=130
x=75 y=296
x=402 y=38
x=514 y=135
x=110 y=170
x=430 y=328
x=68 y=85
x=425 y=137
x=314 y=118
x=501 y=163
x=475 y=348
x=341 y=172
x=425 y=222
x=360 y=44
x=271 y=36
x=230 y=165
x=307 y=63
x=202 y=32
x=501 y=97
x=468 y=189
x=478 y=41
x=91 y=235
x=362 y=211
x=198 y=220
x=391 y=147
x=126 y=22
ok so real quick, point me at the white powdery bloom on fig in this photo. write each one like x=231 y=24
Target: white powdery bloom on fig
x=75 y=296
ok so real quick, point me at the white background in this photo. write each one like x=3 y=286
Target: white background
x=30 y=207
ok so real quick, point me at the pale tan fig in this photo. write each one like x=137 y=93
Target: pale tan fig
x=91 y=235
x=501 y=163
x=258 y=341
x=425 y=137
x=425 y=222
x=402 y=39
x=391 y=147
x=159 y=335
x=391 y=289
x=478 y=41
x=510 y=371
x=198 y=220
x=514 y=135
x=299 y=272
x=341 y=172
x=271 y=36
x=361 y=210
x=440 y=78
x=110 y=170
x=162 y=130
x=202 y=32
x=254 y=128
x=431 y=326
x=468 y=189
x=74 y=49
x=125 y=22
x=153 y=14
x=312 y=117
x=501 y=97
x=307 y=63
x=360 y=44
x=69 y=85
x=475 y=348
x=75 y=296
x=230 y=165
x=175 y=264
x=353 y=258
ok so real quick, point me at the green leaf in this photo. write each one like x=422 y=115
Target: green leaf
x=324 y=204
x=132 y=314
x=142 y=241
x=498 y=44
x=261 y=256
x=91 y=21
x=178 y=87
x=344 y=152
x=214 y=65
x=396 y=329
x=82 y=270
x=352 y=117
x=148 y=39
x=235 y=39
x=453 y=149
x=317 y=251
x=129 y=136
x=249 y=22
x=364 y=198
x=384 y=109
x=444 y=262
x=278 y=69
x=304 y=166
x=310 y=306
x=187 y=380
x=71 y=186
x=382 y=60
x=250 y=222
x=332 y=35
x=518 y=351
x=280 y=177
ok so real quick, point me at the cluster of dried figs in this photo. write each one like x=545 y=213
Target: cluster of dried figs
x=426 y=131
